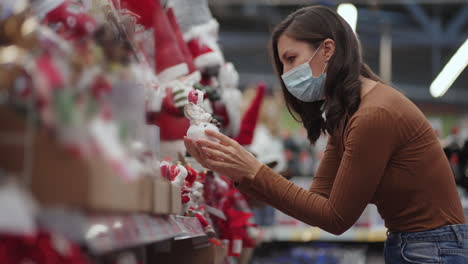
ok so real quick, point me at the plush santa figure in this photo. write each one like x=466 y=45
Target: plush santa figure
x=200 y=31
x=234 y=229
x=171 y=68
x=182 y=45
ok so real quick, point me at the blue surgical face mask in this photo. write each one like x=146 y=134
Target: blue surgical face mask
x=302 y=84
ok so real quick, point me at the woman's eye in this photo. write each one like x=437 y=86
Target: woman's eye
x=291 y=59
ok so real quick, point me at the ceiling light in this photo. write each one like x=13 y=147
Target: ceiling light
x=349 y=13
x=450 y=72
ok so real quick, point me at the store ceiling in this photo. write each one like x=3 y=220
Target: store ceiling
x=308 y=2
x=424 y=37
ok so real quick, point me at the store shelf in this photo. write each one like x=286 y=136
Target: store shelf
x=103 y=233
x=306 y=234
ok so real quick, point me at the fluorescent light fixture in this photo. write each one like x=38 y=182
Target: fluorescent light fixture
x=451 y=71
x=349 y=13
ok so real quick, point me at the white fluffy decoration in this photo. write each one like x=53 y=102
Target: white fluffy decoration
x=18 y=210
x=197 y=131
x=268 y=148
x=231 y=96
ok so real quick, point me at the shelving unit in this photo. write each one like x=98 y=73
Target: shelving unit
x=103 y=233
x=82 y=93
x=307 y=234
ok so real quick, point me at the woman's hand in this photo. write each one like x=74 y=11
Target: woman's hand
x=226 y=157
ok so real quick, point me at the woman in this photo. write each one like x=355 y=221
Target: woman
x=381 y=149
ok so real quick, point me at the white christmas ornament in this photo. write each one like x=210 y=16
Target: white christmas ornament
x=197 y=191
x=179 y=180
x=200 y=119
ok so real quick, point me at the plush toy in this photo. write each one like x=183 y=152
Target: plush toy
x=200 y=31
x=200 y=119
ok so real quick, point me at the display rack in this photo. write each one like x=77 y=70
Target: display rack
x=103 y=233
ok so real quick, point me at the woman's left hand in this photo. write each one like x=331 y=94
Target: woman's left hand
x=226 y=157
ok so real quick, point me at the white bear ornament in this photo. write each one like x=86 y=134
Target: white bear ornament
x=200 y=119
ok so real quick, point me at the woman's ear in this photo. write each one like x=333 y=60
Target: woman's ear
x=328 y=49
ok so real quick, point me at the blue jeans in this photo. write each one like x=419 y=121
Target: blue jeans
x=446 y=244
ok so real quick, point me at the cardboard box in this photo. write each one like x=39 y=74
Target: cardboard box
x=161 y=196
x=176 y=200
x=188 y=251
x=61 y=179
x=246 y=256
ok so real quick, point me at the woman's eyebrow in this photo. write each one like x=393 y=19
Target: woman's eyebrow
x=284 y=55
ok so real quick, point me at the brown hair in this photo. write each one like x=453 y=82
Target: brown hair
x=343 y=88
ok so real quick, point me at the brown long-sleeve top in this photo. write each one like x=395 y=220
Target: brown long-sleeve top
x=386 y=154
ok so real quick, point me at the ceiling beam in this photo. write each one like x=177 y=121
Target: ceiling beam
x=455 y=25
x=420 y=16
